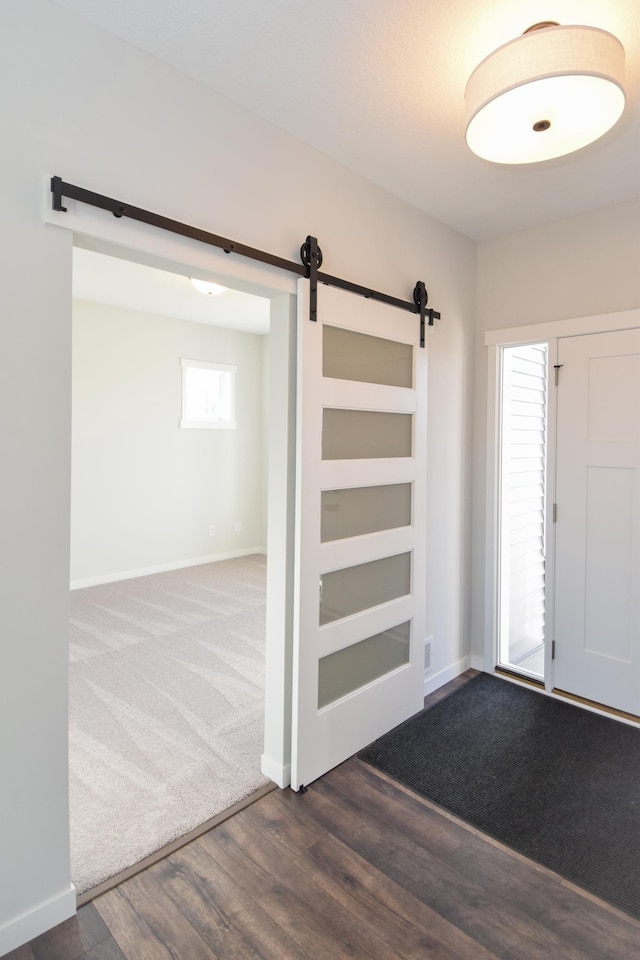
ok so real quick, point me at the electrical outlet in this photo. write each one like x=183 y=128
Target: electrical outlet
x=212 y=531
x=238 y=526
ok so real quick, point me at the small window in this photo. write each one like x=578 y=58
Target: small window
x=208 y=394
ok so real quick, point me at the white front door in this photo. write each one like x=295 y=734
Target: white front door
x=360 y=551
x=597 y=582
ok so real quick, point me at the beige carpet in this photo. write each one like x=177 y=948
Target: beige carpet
x=166 y=708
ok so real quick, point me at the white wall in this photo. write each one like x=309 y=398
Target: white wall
x=144 y=491
x=576 y=267
x=79 y=103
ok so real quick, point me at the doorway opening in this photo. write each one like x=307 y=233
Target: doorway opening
x=522 y=486
x=169 y=535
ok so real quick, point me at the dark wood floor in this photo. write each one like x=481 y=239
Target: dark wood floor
x=357 y=868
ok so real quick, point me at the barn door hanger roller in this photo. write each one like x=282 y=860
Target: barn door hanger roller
x=311 y=256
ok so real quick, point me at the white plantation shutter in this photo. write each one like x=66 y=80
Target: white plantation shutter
x=523 y=455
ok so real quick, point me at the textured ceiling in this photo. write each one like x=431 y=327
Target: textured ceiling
x=379 y=86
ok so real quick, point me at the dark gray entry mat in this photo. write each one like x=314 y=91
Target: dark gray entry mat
x=548 y=779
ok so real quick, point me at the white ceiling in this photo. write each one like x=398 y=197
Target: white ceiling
x=136 y=286
x=379 y=86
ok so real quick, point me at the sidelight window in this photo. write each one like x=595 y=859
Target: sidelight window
x=523 y=456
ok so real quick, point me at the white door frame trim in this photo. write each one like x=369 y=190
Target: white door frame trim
x=98 y=230
x=494 y=340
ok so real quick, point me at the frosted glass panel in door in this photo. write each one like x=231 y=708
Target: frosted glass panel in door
x=365 y=585
x=348 y=355
x=365 y=434
x=346 y=670
x=361 y=510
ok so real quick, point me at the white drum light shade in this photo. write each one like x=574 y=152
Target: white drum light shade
x=545 y=94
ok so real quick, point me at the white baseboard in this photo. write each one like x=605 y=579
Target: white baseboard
x=162 y=568
x=477 y=662
x=38 y=920
x=438 y=679
x=275 y=771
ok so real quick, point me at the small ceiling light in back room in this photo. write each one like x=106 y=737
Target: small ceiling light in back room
x=204 y=286
x=547 y=93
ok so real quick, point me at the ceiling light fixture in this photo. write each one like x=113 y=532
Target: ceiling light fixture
x=204 y=286
x=545 y=94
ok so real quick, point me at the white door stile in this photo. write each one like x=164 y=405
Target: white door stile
x=324 y=736
x=550 y=530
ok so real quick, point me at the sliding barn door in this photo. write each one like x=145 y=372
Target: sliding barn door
x=360 y=551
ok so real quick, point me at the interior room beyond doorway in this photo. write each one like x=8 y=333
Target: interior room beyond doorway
x=168 y=523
